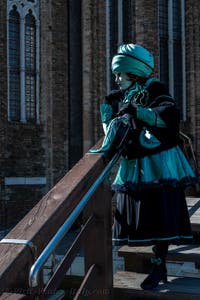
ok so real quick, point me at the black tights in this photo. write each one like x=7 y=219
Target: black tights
x=161 y=249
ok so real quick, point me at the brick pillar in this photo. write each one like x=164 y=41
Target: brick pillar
x=193 y=72
x=54 y=87
x=94 y=51
x=3 y=107
x=146 y=22
x=46 y=97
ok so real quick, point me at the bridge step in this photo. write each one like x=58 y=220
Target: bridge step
x=182 y=260
x=137 y=259
x=193 y=205
x=127 y=287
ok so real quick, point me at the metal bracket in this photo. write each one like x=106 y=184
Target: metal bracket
x=28 y=243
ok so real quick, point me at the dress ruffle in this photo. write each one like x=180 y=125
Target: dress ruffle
x=167 y=168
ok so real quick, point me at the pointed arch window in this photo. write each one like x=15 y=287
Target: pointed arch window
x=30 y=67
x=23 y=61
x=14 y=64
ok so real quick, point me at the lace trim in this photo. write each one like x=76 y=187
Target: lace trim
x=185 y=182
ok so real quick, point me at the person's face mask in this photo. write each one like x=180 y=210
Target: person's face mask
x=122 y=80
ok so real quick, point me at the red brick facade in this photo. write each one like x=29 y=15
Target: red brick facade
x=73 y=80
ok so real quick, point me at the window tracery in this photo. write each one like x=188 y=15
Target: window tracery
x=23 y=60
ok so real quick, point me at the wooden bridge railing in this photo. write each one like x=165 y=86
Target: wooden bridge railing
x=20 y=248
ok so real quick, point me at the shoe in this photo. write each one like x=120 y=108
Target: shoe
x=158 y=274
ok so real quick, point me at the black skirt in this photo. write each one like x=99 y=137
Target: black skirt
x=153 y=215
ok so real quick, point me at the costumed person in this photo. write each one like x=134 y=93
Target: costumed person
x=153 y=172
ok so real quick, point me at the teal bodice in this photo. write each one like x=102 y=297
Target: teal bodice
x=165 y=167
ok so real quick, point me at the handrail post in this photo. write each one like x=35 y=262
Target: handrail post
x=98 y=247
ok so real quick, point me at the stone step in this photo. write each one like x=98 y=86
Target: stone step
x=193 y=205
x=137 y=259
x=127 y=287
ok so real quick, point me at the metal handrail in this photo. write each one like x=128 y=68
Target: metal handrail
x=39 y=263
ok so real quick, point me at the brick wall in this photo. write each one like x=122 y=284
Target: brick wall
x=54 y=80
x=146 y=27
x=45 y=150
x=31 y=150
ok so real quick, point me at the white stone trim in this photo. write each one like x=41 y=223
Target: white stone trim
x=25 y=180
x=23 y=6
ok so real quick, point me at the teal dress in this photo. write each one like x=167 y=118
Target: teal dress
x=153 y=171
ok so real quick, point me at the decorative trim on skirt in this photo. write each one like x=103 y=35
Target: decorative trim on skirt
x=153 y=215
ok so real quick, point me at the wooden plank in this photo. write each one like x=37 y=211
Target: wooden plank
x=70 y=285
x=189 y=252
x=101 y=237
x=127 y=286
x=42 y=222
x=137 y=259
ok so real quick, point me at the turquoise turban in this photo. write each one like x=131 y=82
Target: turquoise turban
x=133 y=59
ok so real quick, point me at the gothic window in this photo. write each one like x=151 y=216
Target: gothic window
x=23 y=60
x=172 y=49
x=14 y=64
x=30 y=67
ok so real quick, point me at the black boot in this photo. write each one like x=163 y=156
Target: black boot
x=159 y=271
x=157 y=274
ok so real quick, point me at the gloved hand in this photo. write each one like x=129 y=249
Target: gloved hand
x=127 y=108
x=113 y=97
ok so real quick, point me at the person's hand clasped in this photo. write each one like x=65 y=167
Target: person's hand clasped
x=115 y=95
x=127 y=108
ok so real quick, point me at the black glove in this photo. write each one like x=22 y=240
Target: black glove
x=127 y=109
x=113 y=97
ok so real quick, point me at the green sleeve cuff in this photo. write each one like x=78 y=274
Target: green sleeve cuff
x=149 y=116
x=106 y=112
